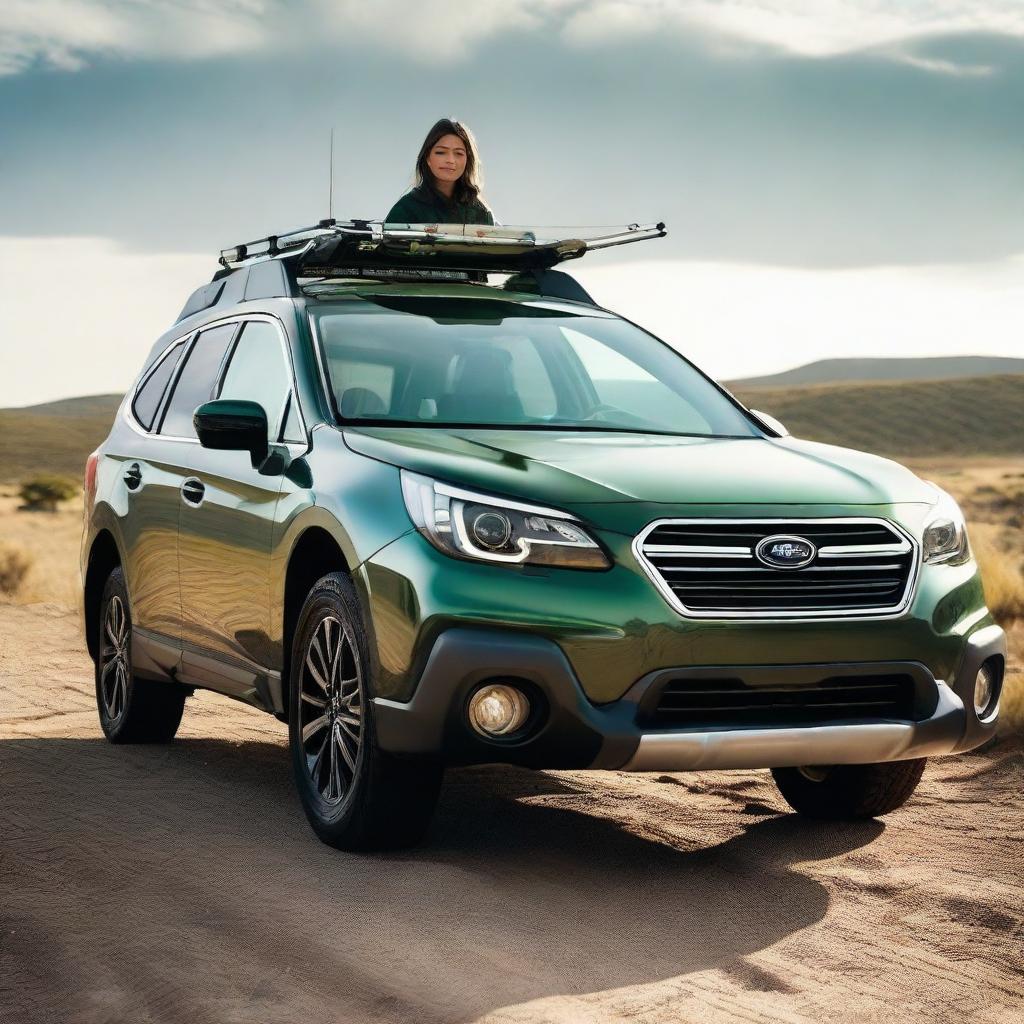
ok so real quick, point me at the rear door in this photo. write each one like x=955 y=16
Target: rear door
x=171 y=449
x=227 y=528
x=145 y=495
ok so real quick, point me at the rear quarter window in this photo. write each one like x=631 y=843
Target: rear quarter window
x=154 y=387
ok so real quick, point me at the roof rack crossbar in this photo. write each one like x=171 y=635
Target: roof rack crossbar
x=440 y=246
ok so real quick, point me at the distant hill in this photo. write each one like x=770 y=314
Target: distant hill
x=847 y=371
x=970 y=416
x=53 y=438
x=973 y=416
x=91 y=405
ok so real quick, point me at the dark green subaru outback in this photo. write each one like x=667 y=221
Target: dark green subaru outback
x=412 y=491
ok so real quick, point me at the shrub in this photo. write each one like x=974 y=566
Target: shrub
x=43 y=493
x=14 y=566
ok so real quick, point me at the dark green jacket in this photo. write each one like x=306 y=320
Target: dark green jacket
x=422 y=205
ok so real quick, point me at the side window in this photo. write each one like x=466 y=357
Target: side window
x=258 y=372
x=292 y=429
x=196 y=380
x=148 y=397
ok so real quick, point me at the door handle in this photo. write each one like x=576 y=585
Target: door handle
x=133 y=476
x=193 y=492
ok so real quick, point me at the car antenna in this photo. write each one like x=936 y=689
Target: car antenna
x=330 y=187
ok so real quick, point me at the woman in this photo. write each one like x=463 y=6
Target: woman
x=448 y=181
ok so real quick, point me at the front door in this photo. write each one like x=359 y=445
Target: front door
x=226 y=531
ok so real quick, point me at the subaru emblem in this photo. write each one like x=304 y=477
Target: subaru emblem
x=785 y=552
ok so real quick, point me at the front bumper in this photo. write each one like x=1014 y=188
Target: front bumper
x=575 y=733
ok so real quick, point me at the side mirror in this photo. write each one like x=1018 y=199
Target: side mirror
x=229 y=425
x=770 y=423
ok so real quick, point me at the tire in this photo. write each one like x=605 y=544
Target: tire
x=355 y=795
x=131 y=710
x=849 y=791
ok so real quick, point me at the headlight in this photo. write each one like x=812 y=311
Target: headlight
x=465 y=524
x=945 y=535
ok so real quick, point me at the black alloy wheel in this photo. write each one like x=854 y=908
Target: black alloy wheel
x=131 y=710
x=355 y=795
x=330 y=709
x=115 y=660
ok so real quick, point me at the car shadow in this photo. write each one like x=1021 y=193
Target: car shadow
x=183 y=881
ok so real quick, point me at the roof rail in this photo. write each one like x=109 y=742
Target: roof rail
x=323 y=248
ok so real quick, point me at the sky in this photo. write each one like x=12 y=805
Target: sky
x=839 y=177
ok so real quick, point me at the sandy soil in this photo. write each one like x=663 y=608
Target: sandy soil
x=181 y=883
x=51 y=540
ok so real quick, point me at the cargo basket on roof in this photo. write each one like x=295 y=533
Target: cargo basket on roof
x=330 y=248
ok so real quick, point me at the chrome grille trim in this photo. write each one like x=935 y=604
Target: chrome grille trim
x=907 y=545
x=697 y=550
x=862 y=551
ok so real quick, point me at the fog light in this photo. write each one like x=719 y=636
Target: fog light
x=985 y=690
x=498 y=709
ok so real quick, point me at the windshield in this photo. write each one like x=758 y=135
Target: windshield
x=461 y=362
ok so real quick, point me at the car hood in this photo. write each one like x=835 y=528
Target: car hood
x=575 y=467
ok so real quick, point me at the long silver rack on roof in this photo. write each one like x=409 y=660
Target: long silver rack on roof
x=322 y=249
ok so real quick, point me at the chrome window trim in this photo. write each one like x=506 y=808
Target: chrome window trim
x=189 y=338
x=831 y=615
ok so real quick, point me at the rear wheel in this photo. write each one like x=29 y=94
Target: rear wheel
x=355 y=795
x=131 y=710
x=849 y=790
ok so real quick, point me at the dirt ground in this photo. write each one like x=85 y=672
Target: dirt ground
x=181 y=883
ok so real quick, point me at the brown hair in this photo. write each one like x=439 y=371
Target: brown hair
x=467 y=188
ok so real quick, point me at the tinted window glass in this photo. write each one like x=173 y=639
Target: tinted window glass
x=148 y=397
x=621 y=383
x=195 y=384
x=258 y=372
x=292 y=430
x=364 y=387
x=455 y=362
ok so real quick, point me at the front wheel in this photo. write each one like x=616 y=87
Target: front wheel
x=131 y=710
x=849 y=791
x=355 y=795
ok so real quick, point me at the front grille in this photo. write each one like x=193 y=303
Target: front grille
x=700 y=703
x=708 y=568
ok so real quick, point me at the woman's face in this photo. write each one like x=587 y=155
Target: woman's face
x=447 y=159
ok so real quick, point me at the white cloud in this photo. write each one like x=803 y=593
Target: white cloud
x=428 y=31
x=732 y=320
x=67 y=34
x=87 y=329
x=820 y=28
x=71 y=33
x=738 y=320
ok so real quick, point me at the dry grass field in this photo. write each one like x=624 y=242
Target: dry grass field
x=904 y=419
